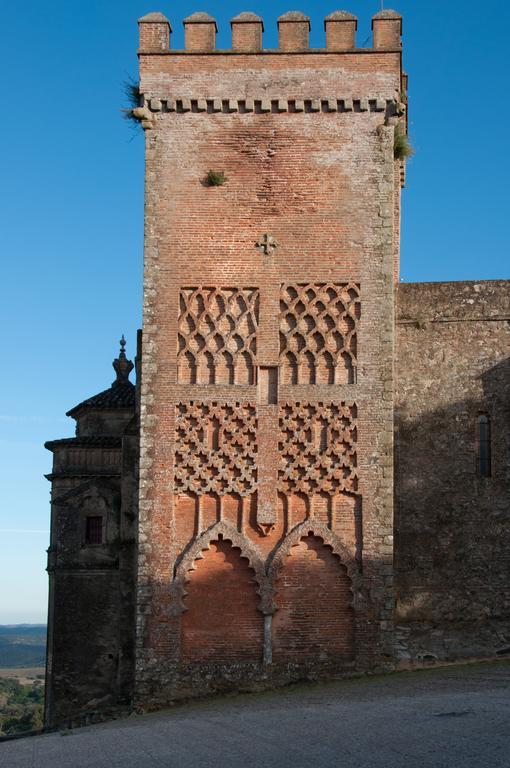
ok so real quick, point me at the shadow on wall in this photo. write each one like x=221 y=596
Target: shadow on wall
x=226 y=628
x=222 y=622
x=452 y=532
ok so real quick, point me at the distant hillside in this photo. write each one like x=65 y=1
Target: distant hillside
x=22 y=645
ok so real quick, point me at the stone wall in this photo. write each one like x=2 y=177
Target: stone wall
x=92 y=557
x=90 y=656
x=452 y=532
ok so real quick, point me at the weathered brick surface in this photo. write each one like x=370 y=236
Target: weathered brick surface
x=314 y=619
x=387 y=28
x=340 y=31
x=199 y=32
x=293 y=31
x=247 y=29
x=222 y=622
x=268 y=408
x=303 y=141
x=452 y=547
x=154 y=32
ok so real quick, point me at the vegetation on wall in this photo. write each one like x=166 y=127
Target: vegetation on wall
x=402 y=148
x=131 y=89
x=216 y=178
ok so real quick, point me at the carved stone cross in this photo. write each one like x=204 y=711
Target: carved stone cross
x=267 y=242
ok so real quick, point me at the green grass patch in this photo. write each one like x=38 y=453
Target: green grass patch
x=402 y=148
x=216 y=178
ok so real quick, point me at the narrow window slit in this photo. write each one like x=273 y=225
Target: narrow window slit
x=483 y=446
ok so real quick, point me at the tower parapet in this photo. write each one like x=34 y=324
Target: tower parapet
x=340 y=29
x=200 y=32
x=155 y=31
x=387 y=29
x=293 y=31
x=247 y=28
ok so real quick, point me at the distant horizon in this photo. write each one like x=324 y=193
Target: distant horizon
x=23 y=624
x=10 y=619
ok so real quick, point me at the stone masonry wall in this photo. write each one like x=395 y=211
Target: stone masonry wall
x=452 y=533
x=267 y=394
x=91 y=616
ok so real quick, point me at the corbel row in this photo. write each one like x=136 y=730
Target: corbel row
x=269 y=106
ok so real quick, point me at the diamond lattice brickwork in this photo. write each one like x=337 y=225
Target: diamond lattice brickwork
x=318 y=332
x=217 y=336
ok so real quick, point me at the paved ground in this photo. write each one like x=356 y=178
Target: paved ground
x=447 y=718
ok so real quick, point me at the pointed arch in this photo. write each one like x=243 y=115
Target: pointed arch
x=344 y=369
x=244 y=369
x=205 y=369
x=314 y=602
x=314 y=527
x=222 y=529
x=307 y=371
x=221 y=621
x=289 y=369
x=325 y=372
x=224 y=367
x=187 y=372
x=188 y=562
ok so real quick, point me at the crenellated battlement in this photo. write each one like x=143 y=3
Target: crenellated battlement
x=250 y=79
x=247 y=33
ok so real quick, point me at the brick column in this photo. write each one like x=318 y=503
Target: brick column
x=268 y=347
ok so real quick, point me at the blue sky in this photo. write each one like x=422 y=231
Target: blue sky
x=72 y=197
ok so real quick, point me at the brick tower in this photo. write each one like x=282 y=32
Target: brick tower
x=271 y=256
x=228 y=522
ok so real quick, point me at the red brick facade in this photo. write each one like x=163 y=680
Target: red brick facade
x=248 y=533
x=265 y=547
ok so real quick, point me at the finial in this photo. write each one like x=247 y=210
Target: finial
x=122 y=365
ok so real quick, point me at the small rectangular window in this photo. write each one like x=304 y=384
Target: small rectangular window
x=268 y=385
x=483 y=446
x=94 y=530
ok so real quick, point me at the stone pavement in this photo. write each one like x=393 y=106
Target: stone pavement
x=456 y=717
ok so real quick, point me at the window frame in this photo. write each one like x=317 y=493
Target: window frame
x=484 y=445
x=86 y=541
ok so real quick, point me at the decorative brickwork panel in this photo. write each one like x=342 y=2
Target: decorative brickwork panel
x=313 y=594
x=318 y=332
x=216 y=448
x=222 y=622
x=217 y=336
x=317 y=446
